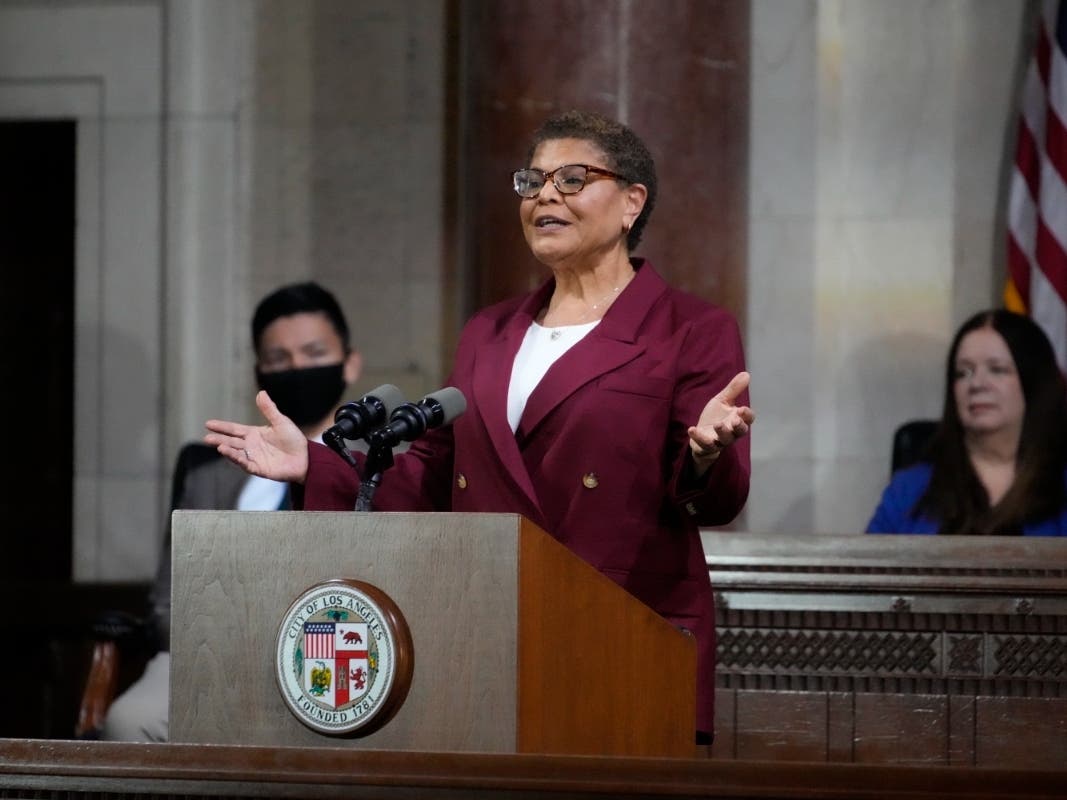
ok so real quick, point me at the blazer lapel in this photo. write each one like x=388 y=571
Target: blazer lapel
x=490 y=381
x=610 y=345
x=590 y=358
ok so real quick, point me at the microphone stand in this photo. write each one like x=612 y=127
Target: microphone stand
x=379 y=459
x=407 y=422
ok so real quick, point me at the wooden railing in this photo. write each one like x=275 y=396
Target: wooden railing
x=931 y=650
x=98 y=770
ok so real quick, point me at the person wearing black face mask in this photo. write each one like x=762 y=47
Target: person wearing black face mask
x=304 y=361
x=306 y=393
x=303 y=357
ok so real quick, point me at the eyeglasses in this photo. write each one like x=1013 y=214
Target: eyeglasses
x=568 y=179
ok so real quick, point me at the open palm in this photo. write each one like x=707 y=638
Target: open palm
x=722 y=422
x=277 y=450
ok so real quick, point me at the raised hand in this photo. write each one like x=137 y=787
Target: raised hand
x=721 y=423
x=277 y=450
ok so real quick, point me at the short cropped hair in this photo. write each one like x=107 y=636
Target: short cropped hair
x=298 y=298
x=626 y=154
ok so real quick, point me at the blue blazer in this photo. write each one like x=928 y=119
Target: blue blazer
x=893 y=514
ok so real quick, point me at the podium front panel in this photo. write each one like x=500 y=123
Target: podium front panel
x=453 y=576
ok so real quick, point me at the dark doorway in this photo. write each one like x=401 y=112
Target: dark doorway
x=37 y=206
x=37 y=331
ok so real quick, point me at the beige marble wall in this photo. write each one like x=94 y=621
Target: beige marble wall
x=346 y=137
x=306 y=142
x=878 y=139
x=290 y=139
x=100 y=65
x=208 y=72
x=224 y=149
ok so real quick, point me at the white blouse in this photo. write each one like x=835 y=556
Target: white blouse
x=541 y=347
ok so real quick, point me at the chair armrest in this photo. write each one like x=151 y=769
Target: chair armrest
x=112 y=632
x=99 y=691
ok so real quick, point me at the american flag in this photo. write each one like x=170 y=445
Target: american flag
x=318 y=640
x=1037 y=205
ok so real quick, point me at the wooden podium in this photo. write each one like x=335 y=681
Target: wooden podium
x=519 y=645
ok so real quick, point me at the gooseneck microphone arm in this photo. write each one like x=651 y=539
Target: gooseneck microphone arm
x=336 y=442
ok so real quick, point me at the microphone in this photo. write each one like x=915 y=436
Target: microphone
x=356 y=419
x=409 y=421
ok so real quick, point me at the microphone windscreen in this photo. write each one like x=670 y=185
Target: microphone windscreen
x=452 y=403
x=389 y=396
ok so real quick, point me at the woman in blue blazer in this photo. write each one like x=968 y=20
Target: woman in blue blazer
x=997 y=463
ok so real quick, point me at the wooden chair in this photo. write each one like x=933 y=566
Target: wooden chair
x=122 y=643
x=910 y=442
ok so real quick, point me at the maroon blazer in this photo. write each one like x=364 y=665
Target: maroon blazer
x=600 y=458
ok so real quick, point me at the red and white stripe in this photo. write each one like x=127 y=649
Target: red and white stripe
x=318 y=640
x=1037 y=204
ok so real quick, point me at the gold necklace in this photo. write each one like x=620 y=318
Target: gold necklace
x=603 y=299
x=591 y=311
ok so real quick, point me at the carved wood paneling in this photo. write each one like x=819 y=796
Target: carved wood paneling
x=1033 y=664
x=927 y=646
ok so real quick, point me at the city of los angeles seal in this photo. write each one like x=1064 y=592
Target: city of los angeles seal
x=344 y=657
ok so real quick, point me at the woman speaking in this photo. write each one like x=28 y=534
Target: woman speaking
x=605 y=406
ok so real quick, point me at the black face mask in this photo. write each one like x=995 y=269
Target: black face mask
x=307 y=395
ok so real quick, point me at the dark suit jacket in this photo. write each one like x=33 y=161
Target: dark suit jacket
x=600 y=458
x=215 y=485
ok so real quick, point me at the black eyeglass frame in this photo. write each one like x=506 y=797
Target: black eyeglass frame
x=551 y=175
